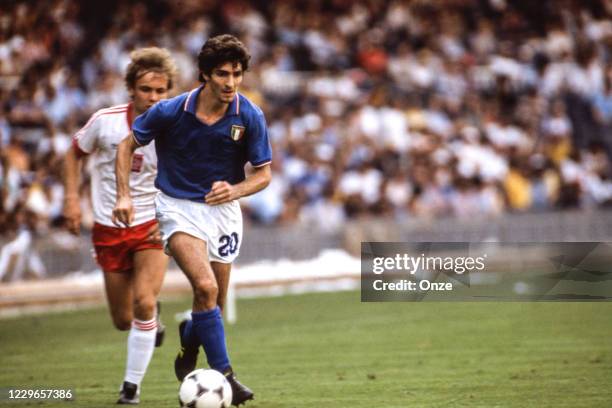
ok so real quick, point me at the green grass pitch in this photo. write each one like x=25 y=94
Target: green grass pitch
x=330 y=350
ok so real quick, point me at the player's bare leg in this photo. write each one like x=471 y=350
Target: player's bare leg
x=119 y=295
x=222 y=274
x=149 y=268
x=180 y=244
x=191 y=254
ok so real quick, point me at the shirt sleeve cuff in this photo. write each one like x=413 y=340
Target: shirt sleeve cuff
x=136 y=139
x=77 y=149
x=261 y=164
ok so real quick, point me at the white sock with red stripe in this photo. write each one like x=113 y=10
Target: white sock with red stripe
x=141 y=343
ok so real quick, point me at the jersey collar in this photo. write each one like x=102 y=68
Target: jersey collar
x=192 y=98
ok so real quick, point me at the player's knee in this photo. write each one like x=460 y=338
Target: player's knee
x=206 y=292
x=144 y=306
x=122 y=323
x=221 y=300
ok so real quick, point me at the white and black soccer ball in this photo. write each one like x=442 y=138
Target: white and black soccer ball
x=205 y=389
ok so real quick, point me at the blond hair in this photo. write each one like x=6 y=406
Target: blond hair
x=150 y=59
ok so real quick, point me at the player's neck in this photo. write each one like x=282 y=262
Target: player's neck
x=133 y=111
x=209 y=105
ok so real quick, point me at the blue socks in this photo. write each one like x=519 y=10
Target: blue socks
x=189 y=337
x=209 y=331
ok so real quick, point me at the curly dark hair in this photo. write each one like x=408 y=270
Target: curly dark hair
x=219 y=50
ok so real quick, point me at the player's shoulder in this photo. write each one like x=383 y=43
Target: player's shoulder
x=105 y=115
x=172 y=106
x=175 y=103
x=247 y=108
x=110 y=112
x=116 y=108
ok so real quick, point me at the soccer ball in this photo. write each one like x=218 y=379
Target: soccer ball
x=205 y=389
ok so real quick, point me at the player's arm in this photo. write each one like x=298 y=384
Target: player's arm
x=223 y=192
x=72 y=202
x=84 y=142
x=124 y=210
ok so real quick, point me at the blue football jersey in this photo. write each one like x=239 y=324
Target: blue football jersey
x=193 y=155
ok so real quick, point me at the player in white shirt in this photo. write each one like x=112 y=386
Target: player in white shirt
x=132 y=258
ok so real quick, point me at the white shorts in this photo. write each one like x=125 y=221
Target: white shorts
x=220 y=226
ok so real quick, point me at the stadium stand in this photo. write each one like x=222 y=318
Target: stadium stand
x=402 y=109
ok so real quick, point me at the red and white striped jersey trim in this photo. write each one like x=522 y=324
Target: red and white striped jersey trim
x=113 y=110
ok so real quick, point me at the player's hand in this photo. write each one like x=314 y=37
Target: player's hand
x=153 y=235
x=72 y=214
x=123 y=213
x=221 y=192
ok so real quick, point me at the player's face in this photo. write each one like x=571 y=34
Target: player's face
x=224 y=81
x=148 y=90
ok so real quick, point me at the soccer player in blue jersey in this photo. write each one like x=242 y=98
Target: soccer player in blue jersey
x=203 y=139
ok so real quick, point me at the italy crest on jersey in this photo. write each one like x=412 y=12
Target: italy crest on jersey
x=237 y=132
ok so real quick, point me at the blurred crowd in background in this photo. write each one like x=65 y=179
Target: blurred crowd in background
x=400 y=108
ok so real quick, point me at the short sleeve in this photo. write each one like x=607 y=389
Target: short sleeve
x=258 y=144
x=85 y=140
x=152 y=123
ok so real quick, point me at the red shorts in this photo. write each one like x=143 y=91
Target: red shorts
x=115 y=247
